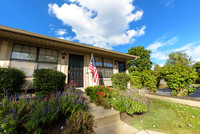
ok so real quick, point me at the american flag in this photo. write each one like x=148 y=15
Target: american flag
x=93 y=68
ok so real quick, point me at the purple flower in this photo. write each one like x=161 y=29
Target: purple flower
x=4 y=120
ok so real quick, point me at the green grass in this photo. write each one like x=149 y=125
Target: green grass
x=169 y=118
x=163 y=86
x=196 y=85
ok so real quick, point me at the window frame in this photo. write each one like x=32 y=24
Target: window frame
x=36 y=61
x=104 y=62
x=103 y=67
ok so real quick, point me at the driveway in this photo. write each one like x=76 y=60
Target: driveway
x=167 y=91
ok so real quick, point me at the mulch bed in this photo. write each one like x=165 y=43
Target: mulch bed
x=126 y=118
x=55 y=128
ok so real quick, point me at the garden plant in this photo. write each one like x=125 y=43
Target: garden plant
x=124 y=101
x=32 y=115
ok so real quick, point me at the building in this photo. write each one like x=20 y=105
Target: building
x=28 y=51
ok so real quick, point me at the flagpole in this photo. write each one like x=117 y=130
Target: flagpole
x=90 y=74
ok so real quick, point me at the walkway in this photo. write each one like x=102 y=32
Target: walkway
x=193 y=103
x=167 y=91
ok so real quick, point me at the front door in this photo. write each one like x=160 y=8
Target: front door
x=75 y=71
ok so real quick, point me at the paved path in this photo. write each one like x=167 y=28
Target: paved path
x=176 y=100
x=167 y=91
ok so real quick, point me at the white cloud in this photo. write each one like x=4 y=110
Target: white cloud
x=186 y=47
x=61 y=32
x=153 y=47
x=102 y=23
x=161 y=43
x=192 y=50
x=159 y=55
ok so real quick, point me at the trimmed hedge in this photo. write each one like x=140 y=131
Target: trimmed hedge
x=120 y=80
x=11 y=79
x=48 y=80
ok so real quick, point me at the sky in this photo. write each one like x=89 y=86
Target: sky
x=162 y=26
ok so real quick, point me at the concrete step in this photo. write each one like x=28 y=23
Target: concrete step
x=117 y=127
x=104 y=116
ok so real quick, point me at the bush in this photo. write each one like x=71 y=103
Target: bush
x=130 y=102
x=120 y=80
x=48 y=80
x=150 y=80
x=32 y=114
x=80 y=122
x=179 y=78
x=11 y=79
x=136 y=79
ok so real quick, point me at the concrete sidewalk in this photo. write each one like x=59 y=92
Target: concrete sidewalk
x=176 y=100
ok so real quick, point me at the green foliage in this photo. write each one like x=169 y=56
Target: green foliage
x=48 y=80
x=136 y=79
x=157 y=68
x=80 y=122
x=150 y=80
x=143 y=63
x=32 y=114
x=179 y=78
x=130 y=102
x=120 y=80
x=147 y=78
x=11 y=79
x=197 y=68
x=179 y=58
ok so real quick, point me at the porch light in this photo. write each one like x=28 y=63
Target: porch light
x=63 y=55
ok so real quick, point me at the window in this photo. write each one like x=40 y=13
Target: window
x=24 y=52
x=104 y=67
x=121 y=67
x=47 y=55
x=28 y=58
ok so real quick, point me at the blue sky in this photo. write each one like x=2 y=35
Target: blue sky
x=162 y=26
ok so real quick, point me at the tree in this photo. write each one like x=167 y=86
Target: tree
x=157 y=68
x=197 y=68
x=147 y=78
x=150 y=80
x=136 y=79
x=179 y=78
x=179 y=58
x=143 y=63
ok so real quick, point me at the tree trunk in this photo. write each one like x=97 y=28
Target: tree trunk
x=180 y=93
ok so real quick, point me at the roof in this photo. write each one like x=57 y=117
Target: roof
x=47 y=41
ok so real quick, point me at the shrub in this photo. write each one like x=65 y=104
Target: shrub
x=48 y=80
x=88 y=90
x=11 y=79
x=179 y=78
x=136 y=79
x=150 y=80
x=131 y=102
x=80 y=122
x=32 y=114
x=120 y=80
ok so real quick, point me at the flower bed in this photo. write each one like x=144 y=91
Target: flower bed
x=31 y=115
x=124 y=101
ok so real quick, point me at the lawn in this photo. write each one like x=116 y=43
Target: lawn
x=196 y=85
x=169 y=117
